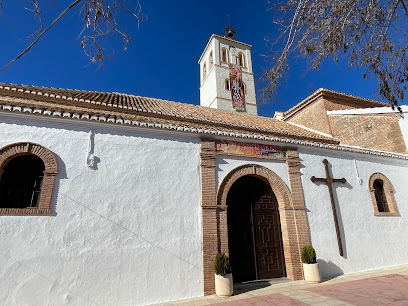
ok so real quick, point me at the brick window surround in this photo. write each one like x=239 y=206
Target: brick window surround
x=292 y=211
x=9 y=152
x=388 y=192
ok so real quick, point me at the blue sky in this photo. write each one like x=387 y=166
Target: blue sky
x=161 y=60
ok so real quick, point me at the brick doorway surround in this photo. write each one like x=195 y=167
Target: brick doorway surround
x=292 y=211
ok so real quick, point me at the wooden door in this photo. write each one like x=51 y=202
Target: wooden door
x=254 y=234
x=268 y=237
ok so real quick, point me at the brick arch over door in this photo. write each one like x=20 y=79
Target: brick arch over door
x=9 y=152
x=278 y=186
x=293 y=241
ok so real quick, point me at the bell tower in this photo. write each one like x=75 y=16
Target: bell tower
x=226 y=78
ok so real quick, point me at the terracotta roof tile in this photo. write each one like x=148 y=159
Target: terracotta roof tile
x=124 y=105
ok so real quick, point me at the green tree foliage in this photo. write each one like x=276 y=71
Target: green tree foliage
x=222 y=264
x=308 y=255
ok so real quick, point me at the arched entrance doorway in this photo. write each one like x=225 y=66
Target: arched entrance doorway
x=254 y=231
x=292 y=212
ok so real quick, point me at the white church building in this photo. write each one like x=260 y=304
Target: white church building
x=116 y=199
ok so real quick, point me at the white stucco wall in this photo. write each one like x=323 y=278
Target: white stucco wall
x=207 y=93
x=226 y=164
x=126 y=233
x=129 y=232
x=369 y=241
x=205 y=59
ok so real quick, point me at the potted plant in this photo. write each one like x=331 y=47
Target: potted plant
x=223 y=275
x=310 y=265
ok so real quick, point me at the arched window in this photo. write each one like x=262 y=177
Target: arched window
x=211 y=60
x=204 y=70
x=382 y=195
x=20 y=183
x=241 y=59
x=27 y=176
x=224 y=55
x=227 y=84
x=245 y=89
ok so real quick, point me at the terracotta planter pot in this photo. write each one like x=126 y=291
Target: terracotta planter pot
x=312 y=273
x=224 y=285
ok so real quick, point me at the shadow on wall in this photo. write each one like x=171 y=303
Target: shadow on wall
x=91 y=160
x=62 y=174
x=340 y=217
x=302 y=168
x=328 y=269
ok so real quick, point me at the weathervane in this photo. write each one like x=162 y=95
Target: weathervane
x=229 y=31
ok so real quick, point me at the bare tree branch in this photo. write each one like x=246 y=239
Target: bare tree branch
x=38 y=14
x=55 y=5
x=100 y=18
x=372 y=34
x=42 y=34
x=404 y=6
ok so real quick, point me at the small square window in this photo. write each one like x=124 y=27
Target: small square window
x=227 y=84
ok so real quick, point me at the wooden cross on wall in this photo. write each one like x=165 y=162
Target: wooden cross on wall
x=329 y=180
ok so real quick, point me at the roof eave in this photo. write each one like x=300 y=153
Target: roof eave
x=326 y=93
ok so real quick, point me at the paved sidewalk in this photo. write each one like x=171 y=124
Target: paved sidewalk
x=378 y=287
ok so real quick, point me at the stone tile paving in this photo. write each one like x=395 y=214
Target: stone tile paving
x=271 y=299
x=377 y=287
x=382 y=290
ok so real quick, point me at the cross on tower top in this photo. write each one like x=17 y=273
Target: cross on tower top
x=229 y=31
